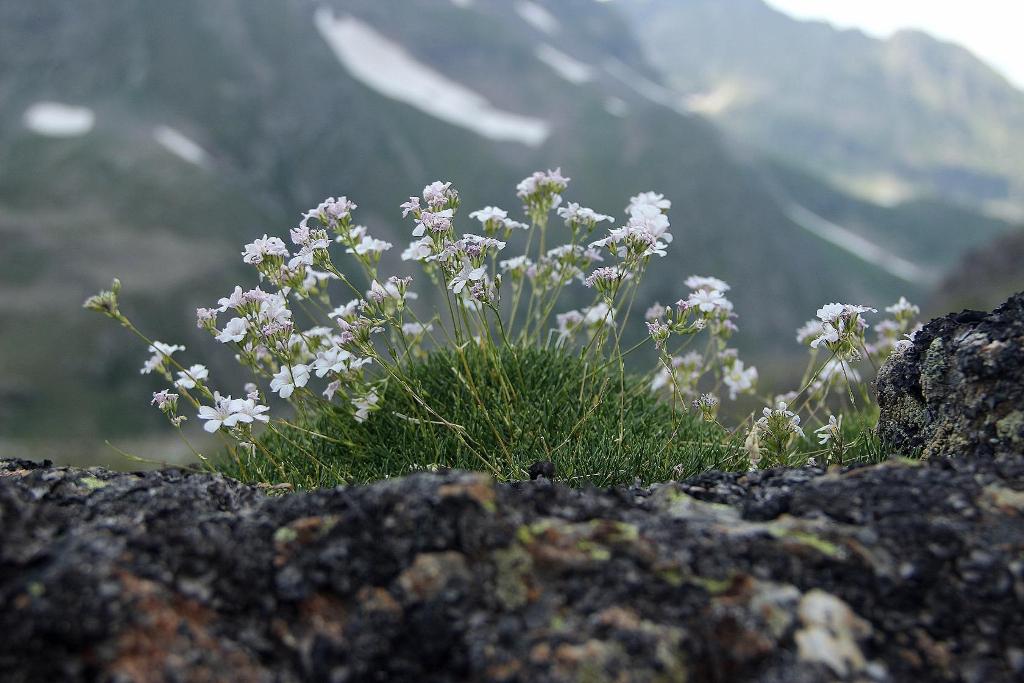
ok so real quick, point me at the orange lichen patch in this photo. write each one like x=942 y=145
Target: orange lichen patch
x=13 y=473
x=171 y=639
x=431 y=572
x=477 y=487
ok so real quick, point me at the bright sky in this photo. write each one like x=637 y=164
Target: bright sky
x=991 y=29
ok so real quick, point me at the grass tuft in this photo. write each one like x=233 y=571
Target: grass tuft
x=543 y=404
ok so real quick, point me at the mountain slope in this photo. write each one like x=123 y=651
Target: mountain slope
x=218 y=120
x=887 y=118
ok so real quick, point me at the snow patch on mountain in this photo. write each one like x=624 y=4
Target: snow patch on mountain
x=175 y=142
x=616 y=106
x=389 y=69
x=567 y=67
x=538 y=17
x=58 y=120
x=645 y=87
x=860 y=247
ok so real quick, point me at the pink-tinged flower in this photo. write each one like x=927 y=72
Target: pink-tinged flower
x=574 y=213
x=467 y=275
x=434 y=221
x=412 y=206
x=205 y=317
x=418 y=250
x=331 y=389
x=234 y=300
x=165 y=400
x=437 y=194
x=263 y=247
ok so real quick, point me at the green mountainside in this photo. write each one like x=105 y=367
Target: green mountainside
x=887 y=118
x=280 y=123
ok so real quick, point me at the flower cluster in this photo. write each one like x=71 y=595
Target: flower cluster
x=308 y=349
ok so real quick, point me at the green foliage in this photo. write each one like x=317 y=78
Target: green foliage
x=595 y=428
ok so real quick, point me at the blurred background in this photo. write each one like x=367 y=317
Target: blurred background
x=814 y=151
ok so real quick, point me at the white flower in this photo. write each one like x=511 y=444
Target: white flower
x=739 y=379
x=467 y=275
x=332 y=360
x=288 y=379
x=188 y=379
x=655 y=312
x=363 y=405
x=709 y=301
x=598 y=313
x=567 y=323
x=903 y=308
x=345 y=311
x=780 y=422
x=418 y=250
x=652 y=199
x=369 y=245
x=246 y=411
x=234 y=331
x=830 y=431
x=518 y=264
x=234 y=300
x=574 y=213
x=488 y=214
x=265 y=246
x=808 y=331
x=161 y=352
x=828 y=334
x=706 y=283
x=415 y=329
x=217 y=415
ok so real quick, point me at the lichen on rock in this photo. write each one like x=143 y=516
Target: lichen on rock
x=959 y=388
x=902 y=571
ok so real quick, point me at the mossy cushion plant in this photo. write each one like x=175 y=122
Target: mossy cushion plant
x=557 y=408
x=495 y=378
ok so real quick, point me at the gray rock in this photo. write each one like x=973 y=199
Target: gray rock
x=901 y=571
x=960 y=387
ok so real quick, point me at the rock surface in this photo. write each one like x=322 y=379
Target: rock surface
x=901 y=571
x=959 y=388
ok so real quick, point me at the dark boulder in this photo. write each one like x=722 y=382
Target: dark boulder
x=902 y=571
x=959 y=389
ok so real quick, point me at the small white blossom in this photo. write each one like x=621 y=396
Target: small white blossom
x=287 y=380
x=161 y=352
x=188 y=378
x=234 y=331
x=706 y=283
x=709 y=301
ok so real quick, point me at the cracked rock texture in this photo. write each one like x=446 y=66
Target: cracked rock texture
x=901 y=571
x=960 y=388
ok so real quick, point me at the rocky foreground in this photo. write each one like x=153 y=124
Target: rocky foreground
x=909 y=570
x=903 y=571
